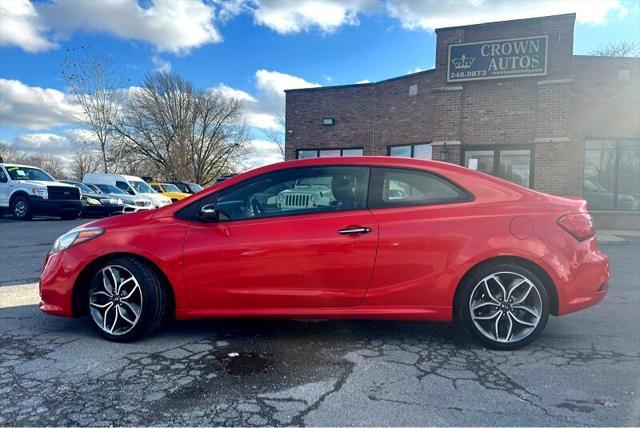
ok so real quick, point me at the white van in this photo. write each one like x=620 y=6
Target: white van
x=129 y=184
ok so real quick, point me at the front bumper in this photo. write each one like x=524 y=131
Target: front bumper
x=55 y=207
x=57 y=279
x=102 y=210
x=581 y=276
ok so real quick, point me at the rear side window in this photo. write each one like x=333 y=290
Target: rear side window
x=396 y=187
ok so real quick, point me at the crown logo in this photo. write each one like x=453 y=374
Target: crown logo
x=463 y=62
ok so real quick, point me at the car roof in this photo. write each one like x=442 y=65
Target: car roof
x=20 y=165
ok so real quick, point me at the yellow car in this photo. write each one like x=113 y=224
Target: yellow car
x=169 y=190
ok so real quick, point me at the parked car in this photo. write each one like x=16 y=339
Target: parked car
x=130 y=184
x=454 y=245
x=26 y=191
x=96 y=204
x=187 y=187
x=132 y=204
x=169 y=190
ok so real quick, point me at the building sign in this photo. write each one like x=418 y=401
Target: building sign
x=498 y=59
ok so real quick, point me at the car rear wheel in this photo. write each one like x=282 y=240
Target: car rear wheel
x=503 y=306
x=126 y=300
x=21 y=208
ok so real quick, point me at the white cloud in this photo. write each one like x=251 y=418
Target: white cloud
x=43 y=143
x=35 y=108
x=263 y=152
x=287 y=17
x=363 y=81
x=19 y=26
x=274 y=83
x=162 y=65
x=170 y=26
x=265 y=109
x=432 y=14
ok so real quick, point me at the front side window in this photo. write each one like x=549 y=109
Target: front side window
x=393 y=187
x=295 y=191
x=417 y=151
x=324 y=153
x=125 y=187
x=612 y=175
x=3 y=177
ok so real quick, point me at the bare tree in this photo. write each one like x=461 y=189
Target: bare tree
x=623 y=48
x=7 y=153
x=276 y=136
x=187 y=133
x=98 y=89
x=84 y=161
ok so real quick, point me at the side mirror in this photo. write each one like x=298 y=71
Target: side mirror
x=209 y=212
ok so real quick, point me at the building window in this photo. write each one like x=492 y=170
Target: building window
x=512 y=164
x=418 y=151
x=612 y=174
x=325 y=153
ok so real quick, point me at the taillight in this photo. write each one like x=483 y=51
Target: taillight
x=579 y=225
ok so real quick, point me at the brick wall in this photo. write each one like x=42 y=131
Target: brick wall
x=580 y=98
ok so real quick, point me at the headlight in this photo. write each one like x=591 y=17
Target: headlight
x=119 y=202
x=92 y=201
x=75 y=237
x=40 y=192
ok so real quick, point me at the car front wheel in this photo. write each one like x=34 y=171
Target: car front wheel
x=504 y=306
x=126 y=300
x=21 y=208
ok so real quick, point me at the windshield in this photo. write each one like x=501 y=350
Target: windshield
x=28 y=173
x=170 y=188
x=84 y=188
x=195 y=187
x=141 y=187
x=110 y=189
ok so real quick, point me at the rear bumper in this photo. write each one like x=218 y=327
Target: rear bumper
x=580 y=274
x=55 y=207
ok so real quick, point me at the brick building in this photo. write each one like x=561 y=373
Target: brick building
x=508 y=98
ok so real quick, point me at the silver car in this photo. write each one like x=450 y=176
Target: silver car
x=132 y=203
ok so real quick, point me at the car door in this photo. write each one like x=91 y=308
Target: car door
x=4 y=188
x=294 y=238
x=423 y=227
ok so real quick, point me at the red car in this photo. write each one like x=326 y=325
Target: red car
x=365 y=237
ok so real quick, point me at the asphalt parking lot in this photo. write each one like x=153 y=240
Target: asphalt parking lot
x=584 y=370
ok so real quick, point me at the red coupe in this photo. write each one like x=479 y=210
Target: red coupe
x=365 y=237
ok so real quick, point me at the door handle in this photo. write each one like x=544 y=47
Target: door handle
x=354 y=230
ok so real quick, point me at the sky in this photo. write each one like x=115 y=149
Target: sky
x=248 y=49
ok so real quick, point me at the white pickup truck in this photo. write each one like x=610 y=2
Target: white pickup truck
x=26 y=191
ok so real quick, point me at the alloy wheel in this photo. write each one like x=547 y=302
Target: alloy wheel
x=115 y=300
x=20 y=208
x=505 y=307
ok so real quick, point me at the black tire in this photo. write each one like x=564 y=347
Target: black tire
x=153 y=304
x=463 y=304
x=71 y=216
x=21 y=208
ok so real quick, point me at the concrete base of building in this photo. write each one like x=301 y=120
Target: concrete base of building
x=616 y=220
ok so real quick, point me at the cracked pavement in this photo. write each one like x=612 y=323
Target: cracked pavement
x=583 y=370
